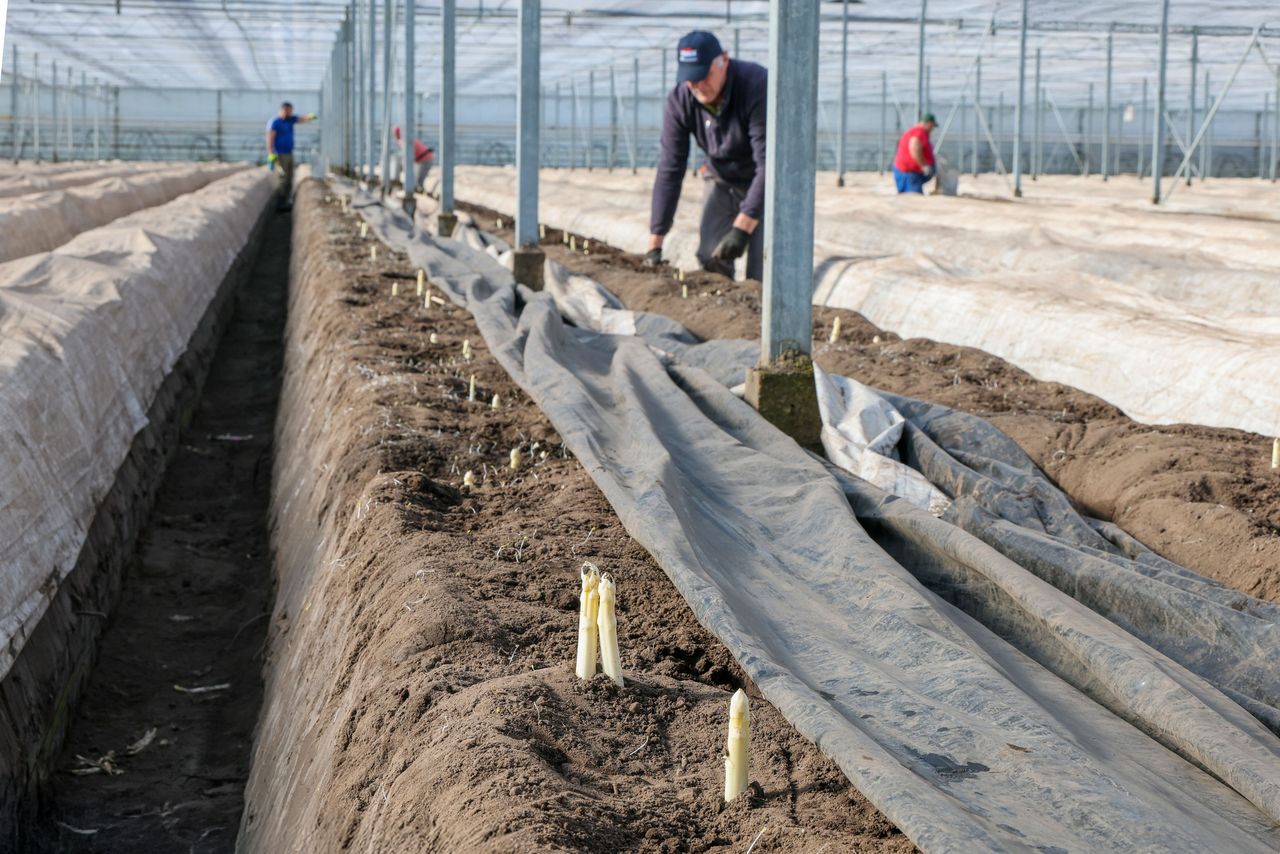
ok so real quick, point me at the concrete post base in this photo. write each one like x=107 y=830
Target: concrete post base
x=784 y=394
x=527 y=263
x=446 y=223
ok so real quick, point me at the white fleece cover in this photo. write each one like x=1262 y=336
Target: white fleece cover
x=1172 y=316
x=24 y=181
x=88 y=332
x=37 y=222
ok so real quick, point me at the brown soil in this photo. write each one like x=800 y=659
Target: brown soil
x=179 y=660
x=1205 y=498
x=436 y=629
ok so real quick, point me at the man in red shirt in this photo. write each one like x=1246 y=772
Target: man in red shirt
x=913 y=165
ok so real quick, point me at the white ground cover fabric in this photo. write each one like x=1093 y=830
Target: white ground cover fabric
x=40 y=221
x=1042 y=727
x=88 y=333
x=35 y=181
x=1172 y=317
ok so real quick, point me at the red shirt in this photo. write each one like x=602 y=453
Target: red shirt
x=903 y=161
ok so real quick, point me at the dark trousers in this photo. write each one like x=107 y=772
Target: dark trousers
x=721 y=203
x=284 y=179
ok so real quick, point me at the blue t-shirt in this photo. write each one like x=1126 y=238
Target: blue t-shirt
x=284 y=133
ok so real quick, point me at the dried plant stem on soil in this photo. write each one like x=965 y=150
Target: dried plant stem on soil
x=420 y=692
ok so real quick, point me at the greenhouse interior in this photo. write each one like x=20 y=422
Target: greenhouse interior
x=729 y=425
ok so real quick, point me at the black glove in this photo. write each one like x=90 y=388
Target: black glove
x=653 y=257
x=732 y=245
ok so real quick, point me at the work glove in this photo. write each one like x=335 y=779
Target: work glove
x=653 y=257
x=272 y=157
x=928 y=171
x=311 y=117
x=732 y=245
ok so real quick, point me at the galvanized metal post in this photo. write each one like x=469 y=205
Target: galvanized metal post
x=529 y=258
x=1088 y=135
x=115 y=122
x=665 y=89
x=556 y=136
x=844 y=91
x=613 y=118
x=53 y=91
x=97 y=112
x=359 y=137
x=448 y=132
x=218 y=128
x=787 y=312
x=1157 y=139
x=591 y=117
x=1258 y=126
x=371 y=129
x=635 y=112
x=84 y=99
x=385 y=183
x=1206 y=155
x=1021 y=105
x=884 y=107
x=408 y=131
x=1142 y=134
x=1106 y=117
x=13 y=106
x=573 y=124
x=920 y=88
x=977 y=111
x=737 y=42
x=1191 y=99
x=1037 y=135
x=1275 y=128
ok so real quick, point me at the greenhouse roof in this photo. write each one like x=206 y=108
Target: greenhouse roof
x=285 y=46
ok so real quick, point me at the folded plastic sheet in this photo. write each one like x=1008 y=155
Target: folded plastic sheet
x=1051 y=729
x=88 y=332
x=40 y=221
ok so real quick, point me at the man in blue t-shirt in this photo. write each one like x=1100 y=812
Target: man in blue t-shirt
x=280 y=150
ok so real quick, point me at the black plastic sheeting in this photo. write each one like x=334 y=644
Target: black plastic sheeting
x=974 y=703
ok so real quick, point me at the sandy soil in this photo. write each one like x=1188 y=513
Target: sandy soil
x=158 y=754
x=1205 y=498
x=439 y=710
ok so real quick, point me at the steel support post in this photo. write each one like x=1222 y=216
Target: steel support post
x=1020 y=109
x=556 y=135
x=920 y=88
x=635 y=113
x=884 y=115
x=782 y=387
x=1037 y=133
x=218 y=129
x=1142 y=133
x=1206 y=153
x=1157 y=137
x=371 y=82
x=408 y=129
x=613 y=118
x=53 y=92
x=665 y=89
x=359 y=137
x=591 y=118
x=1275 y=127
x=977 y=109
x=13 y=105
x=573 y=124
x=115 y=122
x=1191 y=99
x=1106 y=116
x=97 y=112
x=448 y=131
x=1088 y=135
x=844 y=91
x=84 y=100
x=385 y=183
x=1260 y=124
x=529 y=258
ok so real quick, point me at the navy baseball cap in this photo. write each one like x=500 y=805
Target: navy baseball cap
x=694 y=55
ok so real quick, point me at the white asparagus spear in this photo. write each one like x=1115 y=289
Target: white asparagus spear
x=735 y=759
x=607 y=621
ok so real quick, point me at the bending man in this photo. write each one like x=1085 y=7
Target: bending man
x=913 y=165
x=722 y=104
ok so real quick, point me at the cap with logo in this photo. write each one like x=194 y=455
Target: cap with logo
x=694 y=55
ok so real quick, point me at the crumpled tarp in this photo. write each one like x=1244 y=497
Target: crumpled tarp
x=88 y=332
x=1048 y=728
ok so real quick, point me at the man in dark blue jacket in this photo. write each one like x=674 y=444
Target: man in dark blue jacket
x=722 y=104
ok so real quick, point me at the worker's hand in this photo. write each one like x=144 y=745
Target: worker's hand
x=272 y=157
x=732 y=245
x=928 y=171
x=653 y=257
x=311 y=117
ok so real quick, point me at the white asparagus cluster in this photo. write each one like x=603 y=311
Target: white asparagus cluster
x=735 y=754
x=598 y=625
